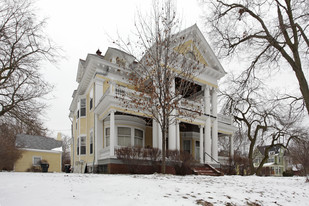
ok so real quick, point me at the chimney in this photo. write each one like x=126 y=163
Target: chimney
x=59 y=136
x=99 y=52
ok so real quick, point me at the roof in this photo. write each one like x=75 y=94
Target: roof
x=37 y=142
x=275 y=149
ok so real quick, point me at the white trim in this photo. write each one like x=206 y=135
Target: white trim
x=39 y=150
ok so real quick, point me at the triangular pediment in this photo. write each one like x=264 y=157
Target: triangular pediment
x=193 y=44
x=190 y=50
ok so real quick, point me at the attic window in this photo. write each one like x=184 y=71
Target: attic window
x=120 y=62
x=191 y=55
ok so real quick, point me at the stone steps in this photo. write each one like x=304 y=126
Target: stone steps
x=206 y=170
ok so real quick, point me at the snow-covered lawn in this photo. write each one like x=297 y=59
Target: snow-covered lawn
x=55 y=189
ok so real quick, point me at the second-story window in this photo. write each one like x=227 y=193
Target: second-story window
x=83 y=107
x=91 y=99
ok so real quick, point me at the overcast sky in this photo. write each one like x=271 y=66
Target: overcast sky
x=82 y=27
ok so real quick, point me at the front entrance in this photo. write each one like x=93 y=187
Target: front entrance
x=187 y=146
x=197 y=150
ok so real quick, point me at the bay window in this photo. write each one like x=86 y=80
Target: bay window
x=107 y=135
x=124 y=136
x=138 y=137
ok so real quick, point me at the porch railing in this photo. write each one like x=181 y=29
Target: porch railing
x=213 y=160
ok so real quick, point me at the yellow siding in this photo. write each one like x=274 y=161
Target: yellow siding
x=25 y=162
x=148 y=137
x=188 y=46
x=83 y=126
x=105 y=86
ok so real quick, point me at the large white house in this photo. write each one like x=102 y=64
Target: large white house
x=101 y=123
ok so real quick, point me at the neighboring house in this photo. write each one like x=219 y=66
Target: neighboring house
x=277 y=162
x=37 y=148
x=102 y=124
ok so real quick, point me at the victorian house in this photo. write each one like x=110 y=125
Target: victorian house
x=101 y=124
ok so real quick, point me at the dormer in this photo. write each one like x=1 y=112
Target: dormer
x=118 y=57
x=81 y=70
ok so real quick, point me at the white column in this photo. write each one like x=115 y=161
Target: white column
x=207 y=100
x=201 y=145
x=207 y=141
x=98 y=136
x=214 y=102
x=172 y=136
x=231 y=145
x=154 y=133
x=112 y=134
x=215 y=140
x=177 y=136
x=207 y=125
x=159 y=137
x=215 y=125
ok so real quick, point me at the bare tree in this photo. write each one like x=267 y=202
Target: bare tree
x=9 y=128
x=269 y=33
x=299 y=152
x=163 y=76
x=66 y=158
x=261 y=120
x=23 y=45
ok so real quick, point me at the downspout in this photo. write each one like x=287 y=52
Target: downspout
x=72 y=143
x=94 y=134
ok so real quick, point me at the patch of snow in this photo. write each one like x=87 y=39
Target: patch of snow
x=49 y=189
x=59 y=149
x=268 y=164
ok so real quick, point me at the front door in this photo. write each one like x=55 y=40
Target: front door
x=197 y=150
x=187 y=146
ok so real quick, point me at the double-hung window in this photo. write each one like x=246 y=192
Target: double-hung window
x=83 y=107
x=91 y=143
x=124 y=136
x=36 y=161
x=82 y=145
x=107 y=135
x=91 y=99
x=138 y=137
x=77 y=146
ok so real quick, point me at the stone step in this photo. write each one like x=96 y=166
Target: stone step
x=206 y=170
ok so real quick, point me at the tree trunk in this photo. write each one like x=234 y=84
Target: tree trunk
x=303 y=85
x=163 y=169
x=250 y=156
